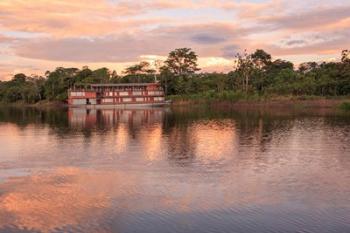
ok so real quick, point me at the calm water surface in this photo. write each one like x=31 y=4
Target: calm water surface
x=174 y=170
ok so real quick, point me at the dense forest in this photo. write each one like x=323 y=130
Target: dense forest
x=255 y=74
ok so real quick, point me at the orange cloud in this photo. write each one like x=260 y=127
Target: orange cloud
x=71 y=18
x=43 y=34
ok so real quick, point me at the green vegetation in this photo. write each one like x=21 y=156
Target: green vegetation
x=257 y=74
x=211 y=95
x=254 y=76
x=345 y=106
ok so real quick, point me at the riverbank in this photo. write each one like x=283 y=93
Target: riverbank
x=267 y=102
x=40 y=104
x=295 y=102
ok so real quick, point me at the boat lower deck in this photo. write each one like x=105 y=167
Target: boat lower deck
x=120 y=106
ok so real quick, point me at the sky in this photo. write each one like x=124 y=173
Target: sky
x=40 y=35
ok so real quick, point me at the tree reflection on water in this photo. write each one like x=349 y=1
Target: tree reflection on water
x=173 y=170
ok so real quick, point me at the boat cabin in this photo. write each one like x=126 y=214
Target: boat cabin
x=114 y=94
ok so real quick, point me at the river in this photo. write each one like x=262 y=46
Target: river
x=188 y=169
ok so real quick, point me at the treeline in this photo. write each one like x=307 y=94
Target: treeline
x=252 y=74
x=54 y=85
x=258 y=74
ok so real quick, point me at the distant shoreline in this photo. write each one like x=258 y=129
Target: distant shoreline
x=277 y=102
x=182 y=101
x=40 y=104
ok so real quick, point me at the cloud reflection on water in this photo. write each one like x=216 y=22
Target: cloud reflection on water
x=123 y=170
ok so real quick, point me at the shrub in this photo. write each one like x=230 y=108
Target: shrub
x=345 y=106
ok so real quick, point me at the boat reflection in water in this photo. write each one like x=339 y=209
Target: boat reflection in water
x=179 y=170
x=86 y=118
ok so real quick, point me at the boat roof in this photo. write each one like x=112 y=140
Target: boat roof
x=122 y=84
x=115 y=84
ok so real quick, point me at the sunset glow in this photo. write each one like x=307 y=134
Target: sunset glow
x=39 y=35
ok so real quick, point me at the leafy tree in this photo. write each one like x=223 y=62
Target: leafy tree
x=244 y=68
x=22 y=88
x=101 y=75
x=142 y=68
x=19 y=78
x=58 y=82
x=308 y=66
x=180 y=65
x=181 y=62
x=281 y=65
x=82 y=75
x=137 y=78
x=167 y=80
x=345 y=56
x=261 y=59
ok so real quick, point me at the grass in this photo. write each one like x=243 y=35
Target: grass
x=239 y=98
x=239 y=95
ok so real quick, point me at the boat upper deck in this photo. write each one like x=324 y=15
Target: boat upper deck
x=118 y=87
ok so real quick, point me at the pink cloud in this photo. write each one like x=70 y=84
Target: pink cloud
x=7 y=71
x=129 y=46
x=106 y=31
x=72 y=18
x=315 y=19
